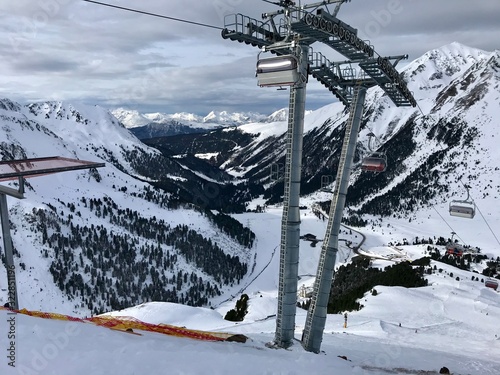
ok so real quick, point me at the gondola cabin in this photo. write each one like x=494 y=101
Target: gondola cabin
x=374 y=163
x=454 y=249
x=490 y=283
x=462 y=209
x=277 y=71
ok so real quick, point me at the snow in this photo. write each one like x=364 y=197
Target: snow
x=452 y=322
x=130 y=118
x=448 y=323
x=213 y=120
x=173 y=314
x=207 y=156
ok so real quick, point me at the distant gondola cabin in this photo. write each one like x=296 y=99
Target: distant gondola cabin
x=462 y=209
x=374 y=164
x=453 y=248
x=493 y=284
x=454 y=251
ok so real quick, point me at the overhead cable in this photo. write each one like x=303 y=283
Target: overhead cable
x=154 y=14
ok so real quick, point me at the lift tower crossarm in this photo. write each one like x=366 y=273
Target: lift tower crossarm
x=338 y=35
x=388 y=78
x=259 y=34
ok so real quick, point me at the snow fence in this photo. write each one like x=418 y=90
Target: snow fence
x=128 y=324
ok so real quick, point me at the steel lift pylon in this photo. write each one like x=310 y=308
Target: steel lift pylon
x=290 y=221
x=302 y=25
x=316 y=315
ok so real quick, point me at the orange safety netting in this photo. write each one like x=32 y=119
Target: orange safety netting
x=124 y=323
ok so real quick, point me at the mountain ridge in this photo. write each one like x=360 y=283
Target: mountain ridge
x=154 y=125
x=148 y=196
x=92 y=230
x=387 y=121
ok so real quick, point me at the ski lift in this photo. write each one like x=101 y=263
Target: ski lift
x=348 y=73
x=278 y=71
x=455 y=249
x=376 y=161
x=463 y=208
x=491 y=283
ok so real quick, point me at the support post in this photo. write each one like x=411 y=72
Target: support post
x=9 y=257
x=316 y=316
x=290 y=222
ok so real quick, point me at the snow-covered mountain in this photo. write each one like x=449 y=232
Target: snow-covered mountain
x=449 y=140
x=120 y=235
x=162 y=124
x=233 y=119
x=130 y=118
x=152 y=125
x=149 y=226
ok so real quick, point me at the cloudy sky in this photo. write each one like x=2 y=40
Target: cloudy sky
x=73 y=50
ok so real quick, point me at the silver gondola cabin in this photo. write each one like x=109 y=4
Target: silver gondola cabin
x=466 y=209
x=278 y=71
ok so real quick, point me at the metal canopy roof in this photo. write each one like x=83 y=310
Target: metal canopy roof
x=21 y=169
x=13 y=169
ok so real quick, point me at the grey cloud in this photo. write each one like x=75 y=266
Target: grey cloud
x=45 y=65
x=153 y=65
x=429 y=21
x=119 y=58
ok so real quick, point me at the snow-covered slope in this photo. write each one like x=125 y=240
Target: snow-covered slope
x=88 y=240
x=451 y=323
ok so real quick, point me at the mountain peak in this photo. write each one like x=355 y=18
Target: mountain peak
x=133 y=118
x=455 y=53
x=437 y=68
x=130 y=118
x=9 y=105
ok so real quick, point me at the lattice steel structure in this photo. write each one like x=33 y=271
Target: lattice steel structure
x=291 y=30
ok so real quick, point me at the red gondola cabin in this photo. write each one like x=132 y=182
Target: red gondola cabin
x=374 y=164
x=493 y=284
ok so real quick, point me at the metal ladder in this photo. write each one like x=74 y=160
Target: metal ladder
x=284 y=218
